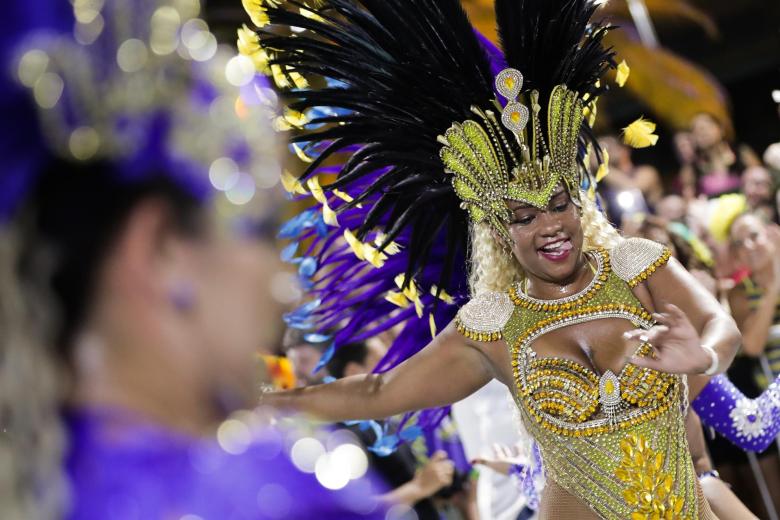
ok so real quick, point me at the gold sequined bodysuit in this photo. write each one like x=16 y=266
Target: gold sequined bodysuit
x=617 y=442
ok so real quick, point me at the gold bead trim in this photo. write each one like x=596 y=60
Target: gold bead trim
x=599 y=280
x=644 y=275
x=475 y=335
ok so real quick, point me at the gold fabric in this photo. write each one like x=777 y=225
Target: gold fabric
x=615 y=442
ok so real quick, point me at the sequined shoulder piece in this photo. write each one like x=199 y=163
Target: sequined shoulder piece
x=484 y=317
x=635 y=259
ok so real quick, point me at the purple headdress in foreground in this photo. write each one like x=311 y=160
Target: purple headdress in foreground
x=750 y=424
x=159 y=103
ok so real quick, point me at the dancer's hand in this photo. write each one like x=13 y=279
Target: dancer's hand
x=676 y=344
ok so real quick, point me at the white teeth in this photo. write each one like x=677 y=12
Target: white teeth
x=557 y=247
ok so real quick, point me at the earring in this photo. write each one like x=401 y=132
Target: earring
x=182 y=296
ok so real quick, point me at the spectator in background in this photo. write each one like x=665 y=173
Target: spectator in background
x=304 y=350
x=628 y=189
x=716 y=166
x=757 y=186
x=671 y=208
x=412 y=484
x=625 y=175
x=755 y=248
x=756 y=298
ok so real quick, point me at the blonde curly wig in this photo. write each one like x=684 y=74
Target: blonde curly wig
x=494 y=268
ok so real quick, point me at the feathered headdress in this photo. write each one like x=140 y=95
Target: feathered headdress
x=409 y=134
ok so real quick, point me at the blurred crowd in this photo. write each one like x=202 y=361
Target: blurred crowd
x=719 y=215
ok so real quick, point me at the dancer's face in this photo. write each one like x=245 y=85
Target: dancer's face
x=547 y=243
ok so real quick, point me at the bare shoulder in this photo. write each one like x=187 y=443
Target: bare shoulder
x=484 y=317
x=634 y=260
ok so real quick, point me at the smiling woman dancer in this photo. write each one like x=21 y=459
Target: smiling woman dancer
x=595 y=335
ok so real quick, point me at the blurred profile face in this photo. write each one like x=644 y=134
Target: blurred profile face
x=671 y=208
x=706 y=131
x=235 y=316
x=757 y=186
x=547 y=243
x=750 y=242
x=304 y=359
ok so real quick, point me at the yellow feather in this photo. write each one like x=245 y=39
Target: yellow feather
x=591 y=111
x=291 y=184
x=301 y=154
x=373 y=256
x=312 y=15
x=411 y=291
x=443 y=296
x=316 y=190
x=279 y=77
x=639 y=134
x=418 y=307
x=604 y=166
x=298 y=80
x=397 y=298
x=329 y=216
x=355 y=244
x=346 y=197
x=294 y=118
x=256 y=12
x=622 y=73
x=432 y=324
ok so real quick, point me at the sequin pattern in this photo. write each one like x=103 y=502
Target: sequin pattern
x=583 y=441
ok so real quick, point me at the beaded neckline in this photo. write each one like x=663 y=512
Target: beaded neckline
x=519 y=297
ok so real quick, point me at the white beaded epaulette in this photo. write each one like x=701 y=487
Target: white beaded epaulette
x=634 y=259
x=484 y=317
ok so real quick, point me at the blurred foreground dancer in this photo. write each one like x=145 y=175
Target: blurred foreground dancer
x=136 y=259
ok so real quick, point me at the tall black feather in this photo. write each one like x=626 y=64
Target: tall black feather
x=554 y=42
x=406 y=69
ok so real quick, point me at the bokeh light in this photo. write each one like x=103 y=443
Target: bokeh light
x=305 y=453
x=132 y=55
x=239 y=70
x=234 y=436
x=242 y=191
x=224 y=173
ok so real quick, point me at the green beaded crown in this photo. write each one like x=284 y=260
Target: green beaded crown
x=489 y=167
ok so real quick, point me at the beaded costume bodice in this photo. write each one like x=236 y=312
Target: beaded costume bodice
x=616 y=441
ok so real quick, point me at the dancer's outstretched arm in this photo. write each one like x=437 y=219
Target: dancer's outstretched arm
x=750 y=424
x=445 y=371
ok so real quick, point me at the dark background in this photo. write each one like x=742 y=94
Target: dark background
x=744 y=57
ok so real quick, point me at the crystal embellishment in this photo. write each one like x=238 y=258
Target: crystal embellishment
x=609 y=394
x=509 y=83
